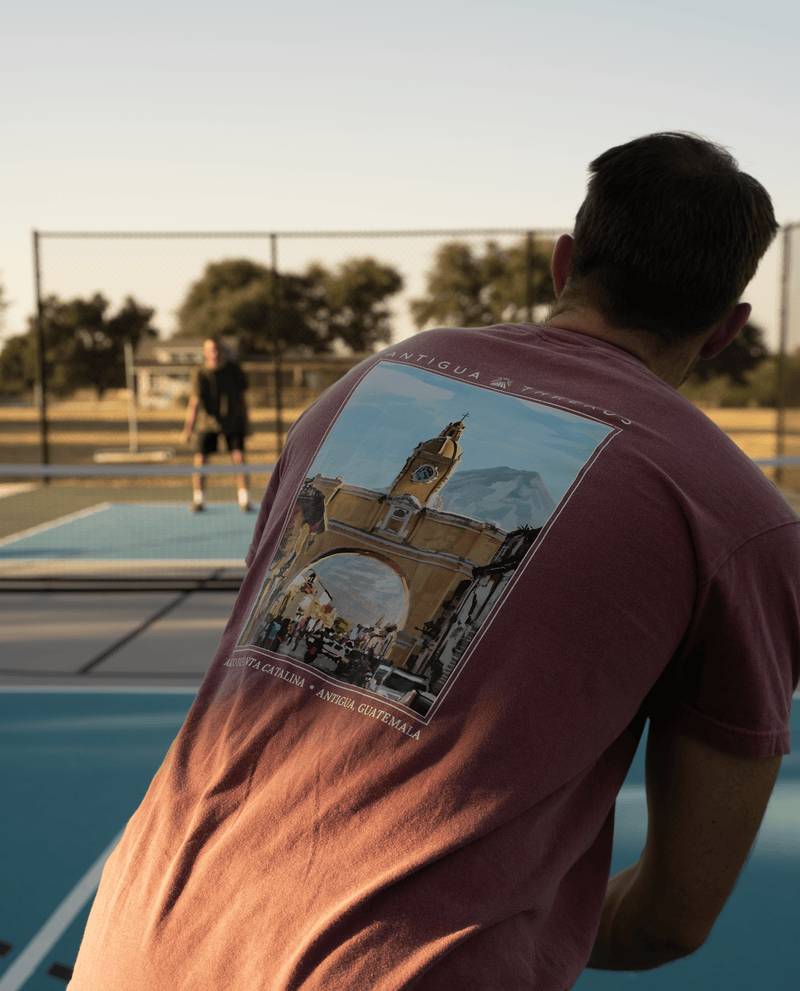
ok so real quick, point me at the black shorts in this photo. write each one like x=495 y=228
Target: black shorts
x=208 y=441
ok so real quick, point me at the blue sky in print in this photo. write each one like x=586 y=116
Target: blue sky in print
x=395 y=407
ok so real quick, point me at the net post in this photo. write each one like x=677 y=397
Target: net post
x=276 y=346
x=41 y=383
x=130 y=382
x=780 y=421
x=529 y=275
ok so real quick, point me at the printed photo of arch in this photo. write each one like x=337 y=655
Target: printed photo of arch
x=426 y=497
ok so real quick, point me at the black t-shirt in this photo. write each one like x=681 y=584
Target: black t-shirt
x=221 y=394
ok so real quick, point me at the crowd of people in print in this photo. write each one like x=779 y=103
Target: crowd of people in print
x=321 y=648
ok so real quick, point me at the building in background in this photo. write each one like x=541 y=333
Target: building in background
x=163 y=372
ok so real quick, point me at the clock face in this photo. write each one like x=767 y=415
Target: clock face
x=425 y=473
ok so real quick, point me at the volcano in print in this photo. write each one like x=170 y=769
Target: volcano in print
x=509 y=497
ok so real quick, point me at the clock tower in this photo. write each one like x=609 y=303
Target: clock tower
x=431 y=464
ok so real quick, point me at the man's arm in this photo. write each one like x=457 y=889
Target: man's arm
x=191 y=413
x=704 y=810
x=246 y=430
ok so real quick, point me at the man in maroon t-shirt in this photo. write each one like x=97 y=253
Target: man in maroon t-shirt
x=669 y=295
x=537 y=544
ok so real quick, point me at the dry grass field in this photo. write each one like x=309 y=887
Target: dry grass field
x=753 y=430
x=80 y=426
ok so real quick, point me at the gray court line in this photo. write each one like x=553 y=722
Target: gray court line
x=103 y=655
x=58 y=923
x=79 y=514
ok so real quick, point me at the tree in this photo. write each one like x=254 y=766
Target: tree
x=17 y=365
x=745 y=352
x=466 y=289
x=308 y=311
x=355 y=294
x=4 y=304
x=83 y=346
x=235 y=297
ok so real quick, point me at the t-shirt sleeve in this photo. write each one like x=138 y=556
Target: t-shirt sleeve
x=731 y=684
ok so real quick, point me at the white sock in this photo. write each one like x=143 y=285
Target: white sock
x=198 y=498
x=244 y=498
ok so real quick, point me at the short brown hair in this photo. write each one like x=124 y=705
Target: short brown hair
x=669 y=235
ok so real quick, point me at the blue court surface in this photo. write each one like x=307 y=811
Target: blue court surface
x=136 y=532
x=75 y=763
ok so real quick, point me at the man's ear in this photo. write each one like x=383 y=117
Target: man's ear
x=562 y=259
x=726 y=330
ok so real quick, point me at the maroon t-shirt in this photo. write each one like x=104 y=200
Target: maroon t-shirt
x=484 y=558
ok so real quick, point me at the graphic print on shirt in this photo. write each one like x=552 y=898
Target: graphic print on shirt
x=425 y=498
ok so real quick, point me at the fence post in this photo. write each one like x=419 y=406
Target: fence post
x=780 y=422
x=529 y=275
x=276 y=342
x=41 y=384
x=130 y=382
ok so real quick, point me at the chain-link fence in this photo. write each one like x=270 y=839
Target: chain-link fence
x=787 y=425
x=361 y=289
x=458 y=274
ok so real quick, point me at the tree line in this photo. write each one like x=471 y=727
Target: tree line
x=310 y=312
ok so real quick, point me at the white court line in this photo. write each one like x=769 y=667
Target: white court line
x=86 y=564
x=82 y=724
x=58 y=923
x=33 y=954
x=15 y=488
x=42 y=527
x=111 y=689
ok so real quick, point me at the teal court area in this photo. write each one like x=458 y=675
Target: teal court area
x=754 y=943
x=95 y=684
x=135 y=533
x=76 y=761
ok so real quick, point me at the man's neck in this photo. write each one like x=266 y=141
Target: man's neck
x=672 y=365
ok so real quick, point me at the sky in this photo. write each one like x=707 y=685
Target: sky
x=251 y=115
x=395 y=408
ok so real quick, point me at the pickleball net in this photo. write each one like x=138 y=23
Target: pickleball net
x=129 y=526
x=78 y=527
